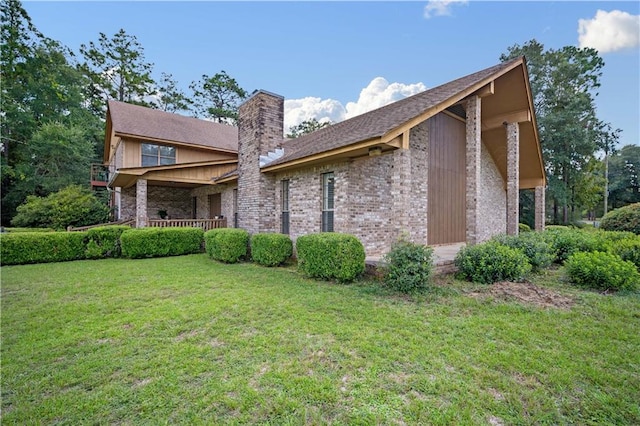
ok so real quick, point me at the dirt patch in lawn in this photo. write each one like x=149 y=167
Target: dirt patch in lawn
x=526 y=293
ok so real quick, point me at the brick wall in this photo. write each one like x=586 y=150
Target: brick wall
x=417 y=206
x=260 y=130
x=176 y=201
x=492 y=217
x=202 y=199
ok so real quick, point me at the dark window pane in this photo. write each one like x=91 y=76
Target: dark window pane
x=149 y=160
x=149 y=149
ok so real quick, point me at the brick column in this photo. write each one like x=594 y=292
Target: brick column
x=473 y=146
x=540 y=206
x=141 y=203
x=401 y=190
x=513 y=177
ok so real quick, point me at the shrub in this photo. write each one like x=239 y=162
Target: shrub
x=271 y=249
x=71 y=206
x=523 y=227
x=628 y=249
x=625 y=218
x=408 y=267
x=104 y=241
x=158 y=242
x=491 y=262
x=534 y=245
x=227 y=245
x=41 y=247
x=330 y=255
x=27 y=230
x=602 y=271
x=566 y=241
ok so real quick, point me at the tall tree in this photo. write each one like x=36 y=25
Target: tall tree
x=606 y=140
x=624 y=172
x=218 y=97
x=118 y=70
x=564 y=84
x=307 y=126
x=169 y=97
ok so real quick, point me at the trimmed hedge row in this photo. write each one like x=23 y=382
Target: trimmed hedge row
x=271 y=249
x=104 y=241
x=331 y=255
x=158 y=242
x=41 y=247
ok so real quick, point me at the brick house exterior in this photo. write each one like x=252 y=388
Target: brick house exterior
x=443 y=166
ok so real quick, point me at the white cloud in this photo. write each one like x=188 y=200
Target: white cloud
x=610 y=31
x=441 y=7
x=379 y=92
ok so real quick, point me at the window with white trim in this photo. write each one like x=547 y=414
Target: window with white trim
x=328 y=183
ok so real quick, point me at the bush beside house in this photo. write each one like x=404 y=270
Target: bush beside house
x=408 y=267
x=104 y=241
x=228 y=245
x=271 y=249
x=331 y=255
x=491 y=262
x=157 y=242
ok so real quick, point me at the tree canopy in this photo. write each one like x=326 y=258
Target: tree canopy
x=217 y=97
x=307 y=126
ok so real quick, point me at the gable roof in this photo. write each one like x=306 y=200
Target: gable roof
x=384 y=120
x=146 y=123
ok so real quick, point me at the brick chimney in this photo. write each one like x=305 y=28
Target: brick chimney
x=260 y=130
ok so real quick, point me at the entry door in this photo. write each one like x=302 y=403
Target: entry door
x=215 y=205
x=447 y=180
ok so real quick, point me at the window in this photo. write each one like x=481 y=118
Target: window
x=157 y=155
x=328 y=182
x=235 y=208
x=284 y=226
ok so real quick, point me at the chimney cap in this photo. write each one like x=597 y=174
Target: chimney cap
x=266 y=92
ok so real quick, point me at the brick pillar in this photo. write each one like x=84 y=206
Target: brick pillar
x=473 y=146
x=513 y=178
x=260 y=130
x=141 y=203
x=401 y=190
x=540 y=206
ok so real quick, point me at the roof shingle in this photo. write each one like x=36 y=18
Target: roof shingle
x=378 y=122
x=152 y=123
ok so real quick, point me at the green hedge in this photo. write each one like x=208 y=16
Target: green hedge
x=567 y=241
x=491 y=262
x=330 y=255
x=158 y=242
x=271 y=249
x=227 y=245
x=602 y=271
x=534 y=245
x=104 y=241
x=628 y=249
x=625 y=218
x=41 y=247
x=408 y=267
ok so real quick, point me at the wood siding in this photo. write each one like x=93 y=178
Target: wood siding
x=133 y=154
x=447 y=172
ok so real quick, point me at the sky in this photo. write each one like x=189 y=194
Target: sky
x=333 y=60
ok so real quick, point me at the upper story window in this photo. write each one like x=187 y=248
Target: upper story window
x=157 y=155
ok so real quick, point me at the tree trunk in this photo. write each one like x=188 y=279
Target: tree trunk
x=606 y=182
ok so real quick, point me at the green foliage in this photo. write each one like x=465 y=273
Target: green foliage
x=491 y=262
x=408 y=267
x=117 y=69
x=307 y=126
x=567 y=241
x=624 y=173
x=169 y=97
x=71 y=206
x=330 y=255
x=27 y=230
x=104 y=241
x=523 y=227
x=227 y=245
x=602 y=271
x=534 y=245
x=158 y=242
x=628 y=249
x=271 y=249
x=41 y=247
x=217 y=97
x=625 y=218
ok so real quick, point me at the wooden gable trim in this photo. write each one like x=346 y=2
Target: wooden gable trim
x=534 y=122
x=511 y=117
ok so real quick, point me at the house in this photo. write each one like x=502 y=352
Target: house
x=443 y=166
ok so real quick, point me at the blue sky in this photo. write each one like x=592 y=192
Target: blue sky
x=326 y=58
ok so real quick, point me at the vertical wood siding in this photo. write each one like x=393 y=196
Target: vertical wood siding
x=446 y=182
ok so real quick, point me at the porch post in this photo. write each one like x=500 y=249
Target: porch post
x=141 y=203
x=473 y=146
x=540 y=205
x=513 y=178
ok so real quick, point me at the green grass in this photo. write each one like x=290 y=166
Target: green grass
x=185 y=340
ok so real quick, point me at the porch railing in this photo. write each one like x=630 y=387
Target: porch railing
x=205 y=224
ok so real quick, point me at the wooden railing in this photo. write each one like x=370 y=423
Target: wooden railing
x=205 y=224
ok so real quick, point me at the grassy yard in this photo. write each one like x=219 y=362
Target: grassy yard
x=185 y=340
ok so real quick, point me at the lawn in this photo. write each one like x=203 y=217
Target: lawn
x=185 y=340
